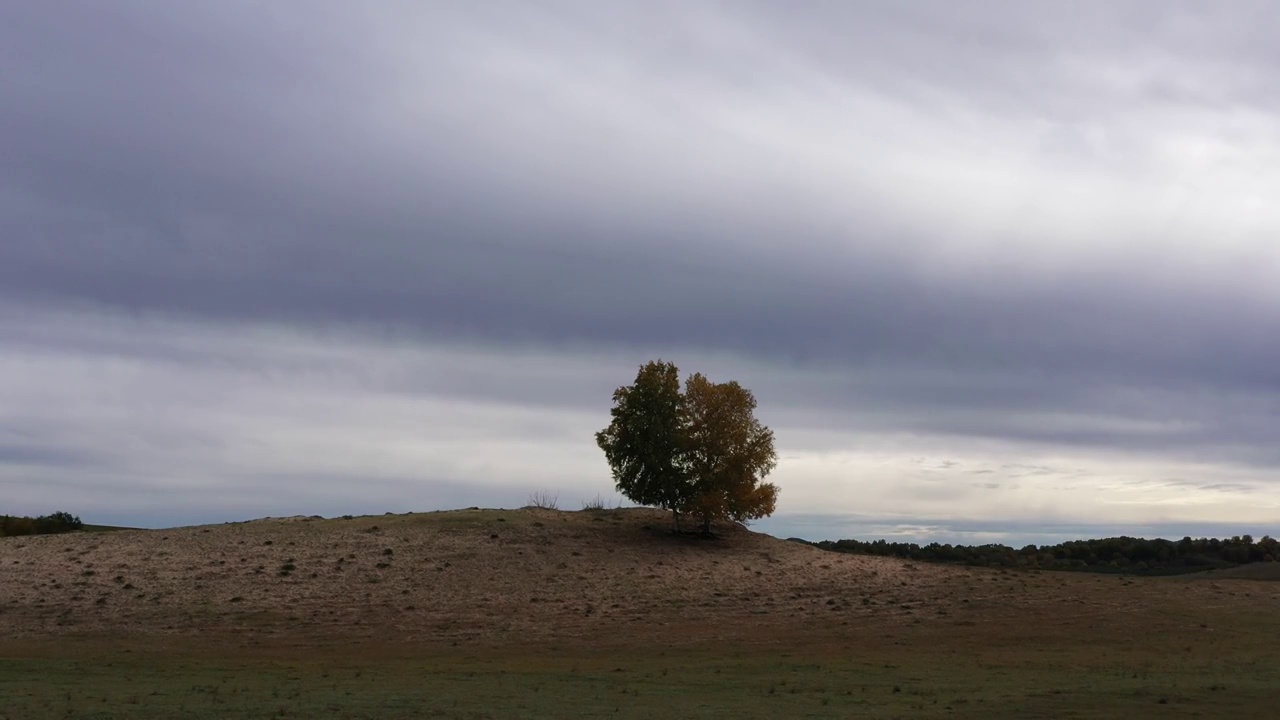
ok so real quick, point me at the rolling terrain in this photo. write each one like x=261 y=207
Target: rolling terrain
x=539 y=613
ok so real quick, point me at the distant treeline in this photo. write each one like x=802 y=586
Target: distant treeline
x=1118 y=554
x=59 y=522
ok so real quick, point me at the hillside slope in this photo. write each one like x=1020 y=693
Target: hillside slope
x=504 y=576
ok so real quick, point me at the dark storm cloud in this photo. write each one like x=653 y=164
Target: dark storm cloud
x=713 y=178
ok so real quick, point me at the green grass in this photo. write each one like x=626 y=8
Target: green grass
x=746 y=688
x=915 y=672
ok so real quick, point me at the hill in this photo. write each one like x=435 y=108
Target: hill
x=461 y=575
x=500 y=576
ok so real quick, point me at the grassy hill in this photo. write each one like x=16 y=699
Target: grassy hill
x=465 y=575
x=540 y=613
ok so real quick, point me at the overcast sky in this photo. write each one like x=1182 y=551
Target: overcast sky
x=995 y=271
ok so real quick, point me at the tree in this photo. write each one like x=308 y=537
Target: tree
x=58 y=522
x=730 y=452
x=701 y=451
x=644 y=444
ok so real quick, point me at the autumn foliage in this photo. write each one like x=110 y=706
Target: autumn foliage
x=700 y=451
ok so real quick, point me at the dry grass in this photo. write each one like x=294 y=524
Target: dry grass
x=524 y=575
x=462 y=575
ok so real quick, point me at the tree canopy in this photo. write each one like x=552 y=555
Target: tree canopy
x=701 y=451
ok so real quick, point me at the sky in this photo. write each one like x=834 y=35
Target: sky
x=995 y=271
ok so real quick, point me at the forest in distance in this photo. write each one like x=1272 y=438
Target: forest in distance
x=1123 y=554
x=51 y=524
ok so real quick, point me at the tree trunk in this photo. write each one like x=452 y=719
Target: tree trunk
x=706 y=525
x=675 y=520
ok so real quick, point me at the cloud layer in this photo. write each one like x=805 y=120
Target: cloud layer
x=304 y=251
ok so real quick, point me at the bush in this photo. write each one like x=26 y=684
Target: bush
x=544 y=500
x=596 y=504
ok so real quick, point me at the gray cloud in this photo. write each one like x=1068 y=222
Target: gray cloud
x=1036 y=225
x=26 y=455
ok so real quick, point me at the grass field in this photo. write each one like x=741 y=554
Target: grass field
x=914 y=672
x=923 y=642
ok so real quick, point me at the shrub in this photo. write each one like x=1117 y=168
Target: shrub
x=596 y=504
x=544 y=500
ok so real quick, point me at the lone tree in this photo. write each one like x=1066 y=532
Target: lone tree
x=701 y=452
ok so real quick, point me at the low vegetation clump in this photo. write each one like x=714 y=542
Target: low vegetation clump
x=52 y=524
x=544 y=501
